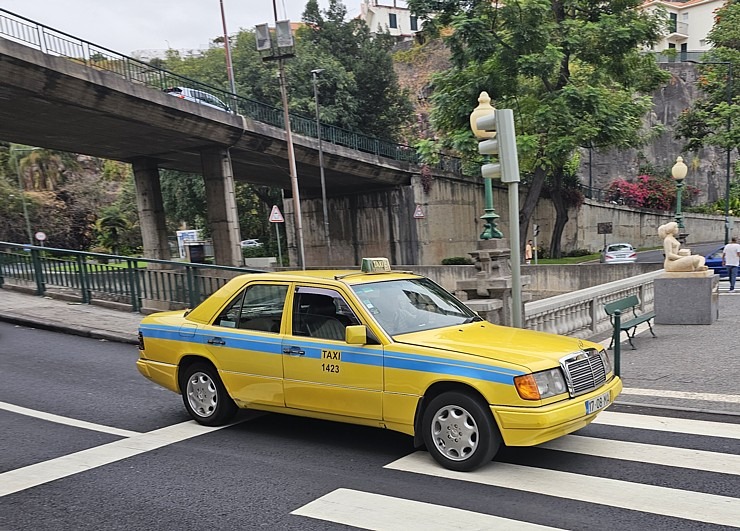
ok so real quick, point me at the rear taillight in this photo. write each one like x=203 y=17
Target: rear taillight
x=141 y=341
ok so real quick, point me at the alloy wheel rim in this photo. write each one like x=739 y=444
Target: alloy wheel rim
x=202 y=394
x=455 y=433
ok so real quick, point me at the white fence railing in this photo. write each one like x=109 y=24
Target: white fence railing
x=581 y=313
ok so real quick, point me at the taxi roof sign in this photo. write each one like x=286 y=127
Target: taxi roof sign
x=376 y=265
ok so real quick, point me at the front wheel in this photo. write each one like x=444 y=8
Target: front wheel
x=205 y=397
x=460 y=432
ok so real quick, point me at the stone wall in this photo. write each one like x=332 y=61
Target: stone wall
x=382 y=223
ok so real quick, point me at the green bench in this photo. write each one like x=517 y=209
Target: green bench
x=629 y=318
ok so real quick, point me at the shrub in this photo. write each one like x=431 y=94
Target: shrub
x=457 y=260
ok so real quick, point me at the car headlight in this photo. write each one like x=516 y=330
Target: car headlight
x=540 y=385
x=606 y=360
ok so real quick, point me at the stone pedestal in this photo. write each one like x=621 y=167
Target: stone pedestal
x=489 y=293
x=687 y=298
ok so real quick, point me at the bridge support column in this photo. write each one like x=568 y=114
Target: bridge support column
x=151 y=209
x=221 y=204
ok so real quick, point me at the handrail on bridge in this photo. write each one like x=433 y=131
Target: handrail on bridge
x=54 y=42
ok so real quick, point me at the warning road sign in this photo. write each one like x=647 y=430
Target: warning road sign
x=418 y=213
x=276 y=216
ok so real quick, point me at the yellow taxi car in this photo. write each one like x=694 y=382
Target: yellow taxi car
x=380 y=348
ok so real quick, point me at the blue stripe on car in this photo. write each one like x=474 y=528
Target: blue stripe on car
x=313 y=348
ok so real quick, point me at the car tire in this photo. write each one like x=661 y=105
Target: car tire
x=459 y=431
x=205 y=396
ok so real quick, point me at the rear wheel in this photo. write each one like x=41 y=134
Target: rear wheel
x=205 y=397
x=460 y=432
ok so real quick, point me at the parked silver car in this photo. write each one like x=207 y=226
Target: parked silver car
x=618 y=253
x=198 y=96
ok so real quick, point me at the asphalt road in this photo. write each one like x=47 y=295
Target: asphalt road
x=99 y=447
x=656 y=256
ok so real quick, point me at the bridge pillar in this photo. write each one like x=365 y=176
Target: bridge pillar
x=222 y=214
x=151 y=209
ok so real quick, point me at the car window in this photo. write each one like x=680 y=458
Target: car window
x=321 y=313
x=257 y=307
x=717 y=254
x=620 y=247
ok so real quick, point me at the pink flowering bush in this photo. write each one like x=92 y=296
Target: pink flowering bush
x=649 y=191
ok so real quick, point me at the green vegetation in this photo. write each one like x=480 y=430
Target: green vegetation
x=358 y=88
x=572 y=72
x=714 y=120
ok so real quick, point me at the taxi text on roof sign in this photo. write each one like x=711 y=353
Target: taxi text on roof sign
x=375 y=265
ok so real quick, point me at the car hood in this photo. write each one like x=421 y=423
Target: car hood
x=527 y=348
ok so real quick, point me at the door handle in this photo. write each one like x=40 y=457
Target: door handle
x=216 y=341
x=293 y=351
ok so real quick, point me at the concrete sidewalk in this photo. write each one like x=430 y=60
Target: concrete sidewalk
x=689 y=367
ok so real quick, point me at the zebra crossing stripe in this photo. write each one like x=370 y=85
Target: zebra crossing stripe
x=648 y=453
x=50 y=417
x=375 y=511
x=676 y=425
x=696 y=506
x=684 y=395
x=68 y=465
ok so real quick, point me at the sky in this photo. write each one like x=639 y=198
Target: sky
x=128 y=25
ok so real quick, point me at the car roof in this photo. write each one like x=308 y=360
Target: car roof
x=330 y=278
x=346 y=276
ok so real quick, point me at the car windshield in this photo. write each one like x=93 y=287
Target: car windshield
x=411 y=305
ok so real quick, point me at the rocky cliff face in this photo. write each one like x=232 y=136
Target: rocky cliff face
x=707 y=168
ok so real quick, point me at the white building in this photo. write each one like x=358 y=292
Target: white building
x=688 y=23
x=392 y=16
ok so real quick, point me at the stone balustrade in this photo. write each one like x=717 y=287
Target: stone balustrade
x=581 y=313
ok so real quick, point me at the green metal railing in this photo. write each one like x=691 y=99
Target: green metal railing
x=133 y=281
x=53 y=42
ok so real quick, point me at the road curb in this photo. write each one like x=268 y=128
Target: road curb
x=70 y=329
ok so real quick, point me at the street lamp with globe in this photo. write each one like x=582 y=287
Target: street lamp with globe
x=678 y=172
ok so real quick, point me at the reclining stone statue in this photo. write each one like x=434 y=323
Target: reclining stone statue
x=677 y=259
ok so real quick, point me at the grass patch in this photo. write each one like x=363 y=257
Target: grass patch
x=568 y=260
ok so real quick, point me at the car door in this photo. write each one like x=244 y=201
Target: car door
x=245 y=341
x=322 y=372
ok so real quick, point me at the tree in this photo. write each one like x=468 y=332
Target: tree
x=358 y=87
x=381 y=108
x=714 y=119
x=572 y=71
x=112 y=226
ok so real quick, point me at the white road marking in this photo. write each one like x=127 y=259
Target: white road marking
x=648 y=453
x=676 y=425
x=709 y=397
x=385 y=513
x=66 y=420
x=40 y=473
x=697 y=506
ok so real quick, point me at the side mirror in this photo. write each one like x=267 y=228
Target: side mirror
x=356 y=335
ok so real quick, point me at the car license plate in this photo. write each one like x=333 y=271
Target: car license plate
x=595 y=404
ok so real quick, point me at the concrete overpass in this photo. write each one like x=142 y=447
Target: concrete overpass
x=57 y=103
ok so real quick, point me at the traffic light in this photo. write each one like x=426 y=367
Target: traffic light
x=503 y=145
x=536 y=230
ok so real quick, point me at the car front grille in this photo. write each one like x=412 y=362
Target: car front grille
x=584 y=371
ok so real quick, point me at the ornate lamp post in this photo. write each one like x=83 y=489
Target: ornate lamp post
x=484 y=108
x=679 y=172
